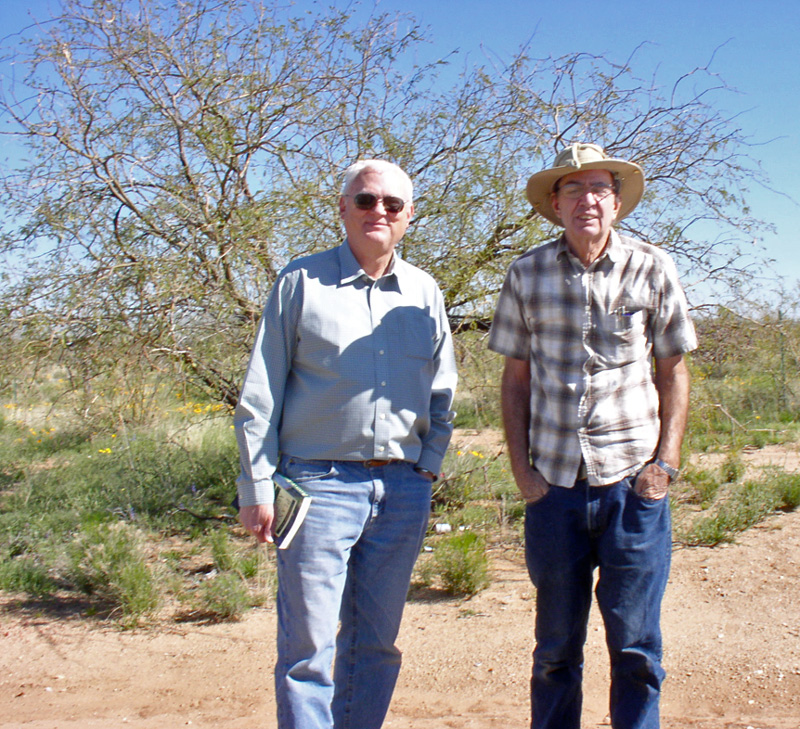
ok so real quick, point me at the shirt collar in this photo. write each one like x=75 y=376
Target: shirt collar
x=351 y=270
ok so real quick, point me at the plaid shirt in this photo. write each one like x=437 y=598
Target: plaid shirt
x=590 y=335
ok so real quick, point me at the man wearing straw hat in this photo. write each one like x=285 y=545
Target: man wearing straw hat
x=595 y=394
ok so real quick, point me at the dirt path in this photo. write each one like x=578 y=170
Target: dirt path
x=731 y=621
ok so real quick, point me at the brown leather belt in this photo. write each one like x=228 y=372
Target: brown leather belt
x=375 y=462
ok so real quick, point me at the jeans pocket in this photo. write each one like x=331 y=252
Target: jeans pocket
x=301 y=470
x=544 y=497
x=641 y=498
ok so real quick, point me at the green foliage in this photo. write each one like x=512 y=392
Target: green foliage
x=109 y=560
x=478 y=400
x=470 y=475
x=742 y=506
x=242 y=578
x=703 y=483
x=732 y=468
x=475 y=515
x=164 y=480
x=225 y=597
x=177 y=157
x=745 y=391
x=27 y=574
x=222 y=552
x=460 y=563
x=787 y=486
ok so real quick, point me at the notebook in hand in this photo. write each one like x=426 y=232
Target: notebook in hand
x=291 y=507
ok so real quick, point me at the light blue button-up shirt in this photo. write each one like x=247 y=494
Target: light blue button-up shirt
x=345 y=367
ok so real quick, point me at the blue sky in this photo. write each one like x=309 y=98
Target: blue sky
x=753 y=43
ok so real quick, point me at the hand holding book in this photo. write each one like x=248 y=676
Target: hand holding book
x=291 y=507
x=277 y=522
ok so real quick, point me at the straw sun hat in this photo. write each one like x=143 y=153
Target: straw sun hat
x=578 y=157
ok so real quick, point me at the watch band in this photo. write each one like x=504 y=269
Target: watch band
x=671 y=471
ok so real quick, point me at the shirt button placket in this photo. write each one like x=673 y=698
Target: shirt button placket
x=382 y=402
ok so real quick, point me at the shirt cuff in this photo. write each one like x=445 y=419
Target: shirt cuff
x=429 y=461
x=256 y=494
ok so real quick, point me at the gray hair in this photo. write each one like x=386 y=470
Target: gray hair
x=381 y=166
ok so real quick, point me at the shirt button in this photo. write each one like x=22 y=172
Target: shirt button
x=383 y=416
x=381 y=449
x=383 y=384
x=380 y=351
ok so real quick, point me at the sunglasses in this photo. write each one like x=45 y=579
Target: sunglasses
x=367 y=201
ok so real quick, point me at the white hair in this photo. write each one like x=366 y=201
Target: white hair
x=381 y=166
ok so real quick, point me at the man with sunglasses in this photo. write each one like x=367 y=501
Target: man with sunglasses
x=595 y=396
x=348 y=393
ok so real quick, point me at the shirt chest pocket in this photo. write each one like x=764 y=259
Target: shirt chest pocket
x=412 y=334
x=626 y=321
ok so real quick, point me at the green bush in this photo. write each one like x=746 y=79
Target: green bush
x=788 y=486
x=225 y=597
x=26 y=574
x=222 y=552
x=703 y=485
x=461 y=564
x=746 y=505
x=732 y=468
x=109 y=560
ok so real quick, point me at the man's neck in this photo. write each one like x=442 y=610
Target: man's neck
x=587 y=251
x=375 y=267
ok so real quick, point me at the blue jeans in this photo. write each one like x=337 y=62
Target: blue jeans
x=567 y=534
x=349 y=564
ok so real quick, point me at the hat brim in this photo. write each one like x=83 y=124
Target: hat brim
x=629 y=174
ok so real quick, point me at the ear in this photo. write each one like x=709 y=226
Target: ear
x=555 y=204
x=341 y=206
x=617 y=205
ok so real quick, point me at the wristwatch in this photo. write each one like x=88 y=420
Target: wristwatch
x=671 y=471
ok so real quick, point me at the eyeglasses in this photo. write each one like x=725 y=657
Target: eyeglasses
x=575 y=190
x=367 y=201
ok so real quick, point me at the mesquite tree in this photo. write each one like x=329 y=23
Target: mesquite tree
x=177 y=155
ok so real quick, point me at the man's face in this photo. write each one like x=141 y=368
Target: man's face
x=585 y=216
x=377 y=231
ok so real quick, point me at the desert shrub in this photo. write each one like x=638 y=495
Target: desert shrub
x=460 y=563
x=745 y=506
x=474 y=515
x=225 y=597
x=701 y=485
x=732 y=468
x=222 y=552
x=480 y=371
x=109 y=560
x=787 y=489
x=27 y=574
x=168 y=483
x=470 y=475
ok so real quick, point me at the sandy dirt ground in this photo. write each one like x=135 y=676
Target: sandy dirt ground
x=732 y=636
